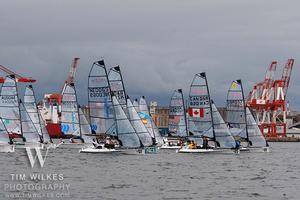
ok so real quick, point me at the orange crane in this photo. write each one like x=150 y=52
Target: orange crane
x=268 y=101
x=54 y=101
x=18 y=77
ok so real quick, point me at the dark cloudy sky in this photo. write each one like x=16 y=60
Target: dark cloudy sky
x=160 y=44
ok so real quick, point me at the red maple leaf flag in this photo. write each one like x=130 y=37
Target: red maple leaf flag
x=196 y=112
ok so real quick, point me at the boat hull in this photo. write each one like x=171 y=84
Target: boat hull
x=29 y=145
x=255 y=149
x=150 y=150
x=94 y=150
x=6 y=148
x=70 y=145
x=199 y=151
x=170 y=147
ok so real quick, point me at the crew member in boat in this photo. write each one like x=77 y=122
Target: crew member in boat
x=192 y=145
x=109 y=143
x=96 y=144
x=205 y=143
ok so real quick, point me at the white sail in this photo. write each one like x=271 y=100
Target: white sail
x=99 y=97
x=29 y=131
x=45 y=133
x=9 y=106
x=33 y=112
x=138 y=125
x=125 y=131
x=235 y=110
x=85 y=127
x=117 y=85
x=31 y=108
x=4 y=136
x=69 y=112
x=223 y=136
x=199 y=114
x=145 y=116
x=256 y=138
x=177 y=115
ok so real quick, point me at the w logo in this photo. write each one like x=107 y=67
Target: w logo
x=38 y=155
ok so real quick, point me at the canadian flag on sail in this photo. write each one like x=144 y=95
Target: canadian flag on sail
x=196 y=112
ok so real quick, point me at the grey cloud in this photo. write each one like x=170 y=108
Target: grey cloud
x=160 y=45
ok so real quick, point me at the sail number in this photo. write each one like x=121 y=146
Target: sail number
x=9 y=100
x=99 y=92
x=199 y=100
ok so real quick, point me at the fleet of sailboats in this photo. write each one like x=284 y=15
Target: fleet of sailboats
x=197 y=126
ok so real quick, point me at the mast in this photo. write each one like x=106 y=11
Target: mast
x=245 y=112
x=184 y=113
x=17 y=94
x=203 y=74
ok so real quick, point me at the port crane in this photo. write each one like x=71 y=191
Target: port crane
x=19 y=78
x=267 y=100
x=52 y=104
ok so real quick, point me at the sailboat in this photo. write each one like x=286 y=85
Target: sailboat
x=140 y=128
x=9 y=107
x=34 y=114
x=177 y=121
x=241 y=121
x=205 y=121
x=73 y=122
x=6 y=145
x=149 y=123
x=15 y=117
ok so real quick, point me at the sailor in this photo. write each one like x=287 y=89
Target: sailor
x=205 y=143
x=95 y=143
x=109 y=144
x=192 y=145
x=71 y=140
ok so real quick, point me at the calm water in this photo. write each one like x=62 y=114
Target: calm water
x=167 y=175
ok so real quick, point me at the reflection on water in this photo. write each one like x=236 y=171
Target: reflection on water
x=168 y=175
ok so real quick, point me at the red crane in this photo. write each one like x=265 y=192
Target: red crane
x=18 y=77
x=268 y=101
x=55 y=100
